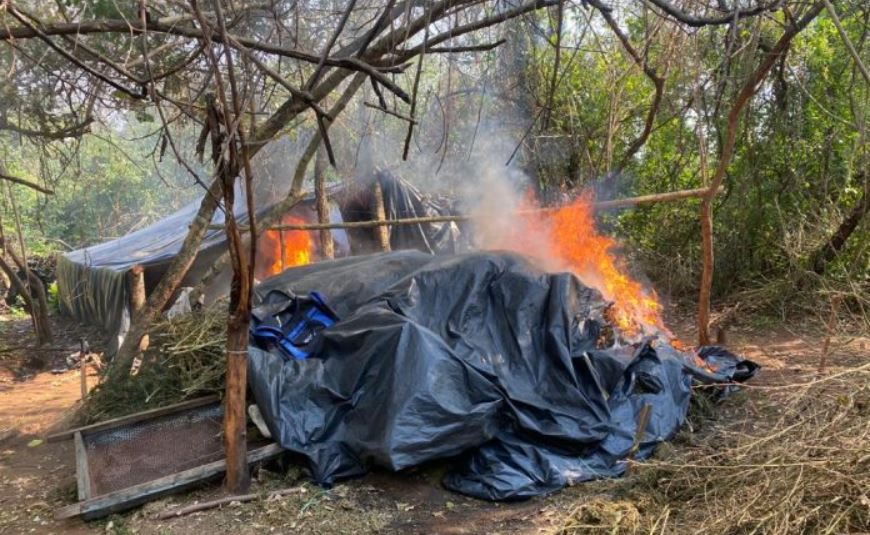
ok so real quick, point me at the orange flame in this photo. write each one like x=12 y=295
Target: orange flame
x=280 y=250
x=576 y=241
x=568 y=236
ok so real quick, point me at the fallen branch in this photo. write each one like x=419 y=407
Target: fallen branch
x=211 y=504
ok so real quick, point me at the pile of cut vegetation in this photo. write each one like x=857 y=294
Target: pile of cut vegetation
x=798 y=463
x=185 y=358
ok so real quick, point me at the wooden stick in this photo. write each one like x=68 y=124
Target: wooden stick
x=211 y=504
x=616 y=203
x=830 y=327
x=83 y=374
x=327 y=246
x=654 y=198
x=642 y=421
x=382 y=233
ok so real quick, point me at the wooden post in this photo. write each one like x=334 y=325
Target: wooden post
x=327 y=247
x=642 y=421
x=83 y=375
x=83 y=474
x=831 y=328
x=706 y=220
x=235 y=417
x=282 y=251
x=382 y=232
x=137 y=290
x=137 y=301
x=84 y=353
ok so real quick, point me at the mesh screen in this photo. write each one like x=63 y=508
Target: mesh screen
x=147 y=450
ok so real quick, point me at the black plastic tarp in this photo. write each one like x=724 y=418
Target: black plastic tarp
x=478 y=357
x=91 y=281
x=402 y=200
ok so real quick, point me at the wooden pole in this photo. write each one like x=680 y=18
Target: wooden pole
x=137 y=304
x=830 y=328
x=137 y=290
x=642 y=421
x=327 y=247
x=617 y=203
x=281 y=246
x=382 y=233
x=83 y=376
x=706 y=283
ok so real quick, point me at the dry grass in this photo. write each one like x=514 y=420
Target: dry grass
x=800 y=465
x=612 y=518
x=185 y=359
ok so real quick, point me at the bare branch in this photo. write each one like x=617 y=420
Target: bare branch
x=74 y=131
x=697 y=22
x=389 y=112
x=470 y=48
x=24 y=182
x=170 y=26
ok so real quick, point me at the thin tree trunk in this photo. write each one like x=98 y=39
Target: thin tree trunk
x=837 y=241
x=137 y=289
x=136 y=279
x=746 y=93
x=33 y=286
x=274 y=214
x=37 y=299
x=21 y=288
x=181 y=263
x=706 y=215
x=327 y=247
x=168 y=283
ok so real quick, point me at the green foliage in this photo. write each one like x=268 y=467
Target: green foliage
x=104 y=187
x=52 y=296
x=799 y=166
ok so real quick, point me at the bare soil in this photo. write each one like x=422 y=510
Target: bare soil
x=37 y=477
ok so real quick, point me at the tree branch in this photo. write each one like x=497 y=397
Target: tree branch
x=76 y=130
x=697 y=22
x=171 y=26
x=24 y=182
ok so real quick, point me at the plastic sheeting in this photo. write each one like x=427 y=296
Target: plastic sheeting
x=91 y=283
x=478 y=357
x=92 y=286
x=401 y=201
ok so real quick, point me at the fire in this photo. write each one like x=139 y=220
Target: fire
x=591 y=255
x=568 y=237
x=280 y=250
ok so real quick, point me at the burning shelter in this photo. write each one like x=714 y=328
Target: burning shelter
x=531 y=363
x=94 y=286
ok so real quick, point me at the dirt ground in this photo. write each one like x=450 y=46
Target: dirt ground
x=36 y=477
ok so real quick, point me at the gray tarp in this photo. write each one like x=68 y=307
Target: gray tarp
x=92 y=282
